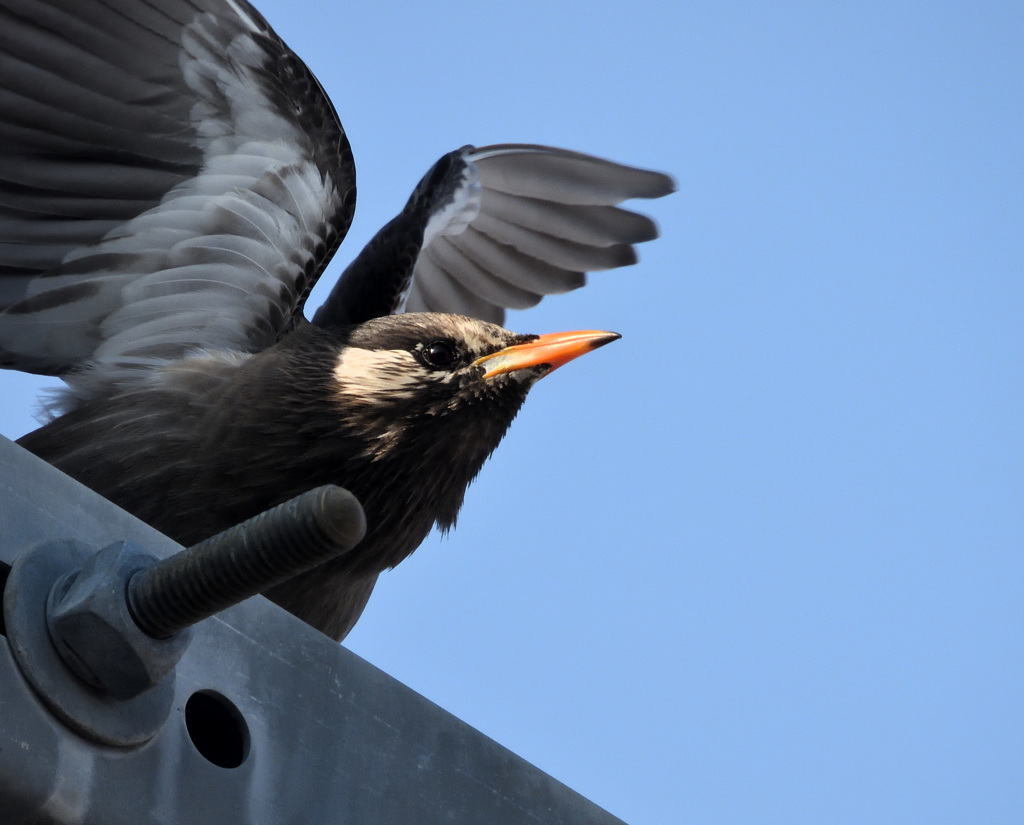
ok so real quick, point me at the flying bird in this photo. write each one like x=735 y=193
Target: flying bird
x=173 y=181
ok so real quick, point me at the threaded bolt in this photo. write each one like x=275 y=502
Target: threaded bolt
x=244 y=560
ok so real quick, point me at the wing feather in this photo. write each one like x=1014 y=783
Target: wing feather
x=172 y=177
x=542 y=219
x=498 y=228
x=462 y=268
x=439 y=289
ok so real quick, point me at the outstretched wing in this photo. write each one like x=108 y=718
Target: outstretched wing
x=172 y=177
x=498 y=227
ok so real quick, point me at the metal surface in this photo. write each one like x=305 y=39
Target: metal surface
x=270 y=722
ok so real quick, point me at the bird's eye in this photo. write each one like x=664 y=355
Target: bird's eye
x=440 y=354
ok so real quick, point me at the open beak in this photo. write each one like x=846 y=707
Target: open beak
x=552 y=350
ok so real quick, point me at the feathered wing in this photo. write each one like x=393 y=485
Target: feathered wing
x=496 y=228
x=172 y=177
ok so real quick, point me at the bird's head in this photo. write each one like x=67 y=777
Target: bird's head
x=444 y=386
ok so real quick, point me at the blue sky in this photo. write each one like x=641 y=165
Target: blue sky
x=762 y=559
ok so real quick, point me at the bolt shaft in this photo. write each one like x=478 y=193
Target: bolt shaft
x=244 y=560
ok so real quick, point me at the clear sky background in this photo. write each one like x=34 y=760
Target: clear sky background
x=762 y=560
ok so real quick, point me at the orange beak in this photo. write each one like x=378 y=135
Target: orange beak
x=552 y=350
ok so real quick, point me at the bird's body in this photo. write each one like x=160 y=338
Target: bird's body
x=214 y=439
x=163 y=277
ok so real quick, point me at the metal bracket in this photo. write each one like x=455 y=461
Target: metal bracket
x=269 y=721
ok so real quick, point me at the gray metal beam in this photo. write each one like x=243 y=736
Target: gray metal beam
x=304 y=730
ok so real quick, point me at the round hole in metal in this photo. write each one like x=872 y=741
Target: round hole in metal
x=217 y=729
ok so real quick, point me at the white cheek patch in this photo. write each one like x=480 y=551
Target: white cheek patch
x=379 y=376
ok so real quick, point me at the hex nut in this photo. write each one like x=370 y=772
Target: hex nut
x=93 y=630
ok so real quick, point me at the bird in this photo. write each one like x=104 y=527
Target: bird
x=173 y=182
